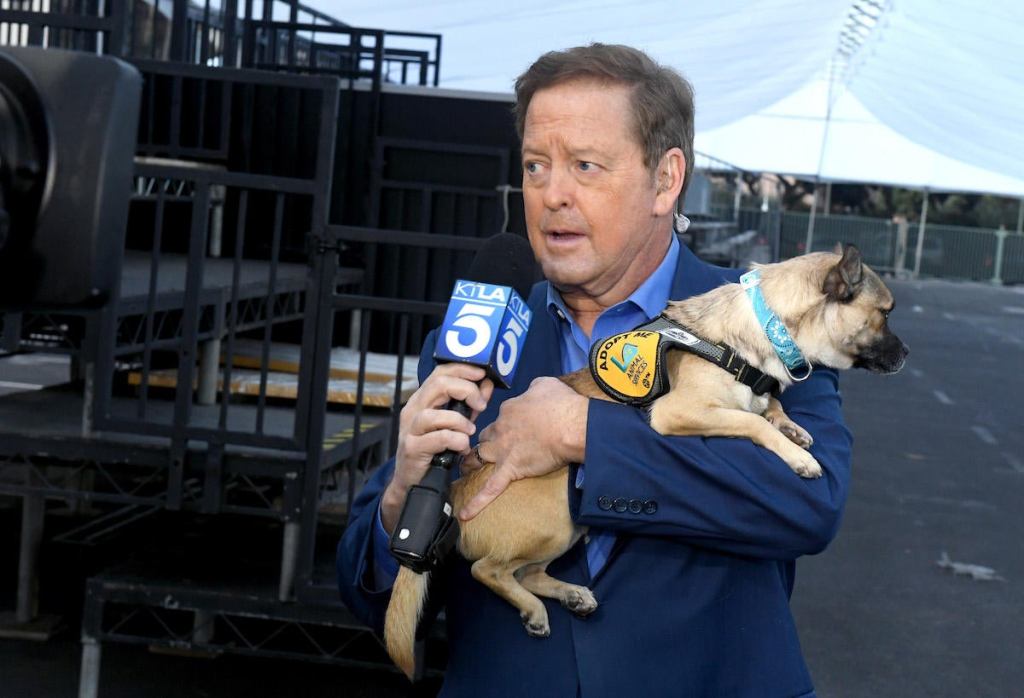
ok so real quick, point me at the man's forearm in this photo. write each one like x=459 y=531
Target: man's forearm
x=391 y=503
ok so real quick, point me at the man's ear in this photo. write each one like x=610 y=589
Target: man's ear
x=668 y=180
x=844 y=280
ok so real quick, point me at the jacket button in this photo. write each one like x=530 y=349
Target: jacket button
x=620 y=504
x=604 y=502
x=650 y=506
x=635 y=506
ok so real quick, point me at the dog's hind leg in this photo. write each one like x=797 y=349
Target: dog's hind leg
x=499 y=577
x=777 y=417
x=578 y=599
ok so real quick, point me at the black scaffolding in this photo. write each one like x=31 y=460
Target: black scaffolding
x=296 y=222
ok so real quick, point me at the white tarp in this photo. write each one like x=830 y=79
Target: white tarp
x=934 y=96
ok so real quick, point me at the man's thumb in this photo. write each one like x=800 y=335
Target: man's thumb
x=494 y=486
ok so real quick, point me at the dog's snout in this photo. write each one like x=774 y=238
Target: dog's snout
x=887 y=355
x=899 y=357
x=904 y=352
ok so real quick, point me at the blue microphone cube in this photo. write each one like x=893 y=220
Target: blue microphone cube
x=485 y=326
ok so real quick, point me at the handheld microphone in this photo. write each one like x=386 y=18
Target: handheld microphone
x=485 y=326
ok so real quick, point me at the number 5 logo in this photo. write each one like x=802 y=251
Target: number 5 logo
x=508 y=350
x=471 y=317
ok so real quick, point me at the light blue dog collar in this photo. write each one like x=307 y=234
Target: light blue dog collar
x=786 y=349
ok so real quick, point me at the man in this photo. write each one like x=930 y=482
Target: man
x=692 y=540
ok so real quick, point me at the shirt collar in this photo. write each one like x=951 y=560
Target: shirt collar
x=650 y=297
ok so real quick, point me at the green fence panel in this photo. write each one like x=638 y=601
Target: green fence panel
x=954 y=252
x=876 y=237
x=949 y=251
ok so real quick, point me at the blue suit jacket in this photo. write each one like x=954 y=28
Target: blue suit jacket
x=694 y=598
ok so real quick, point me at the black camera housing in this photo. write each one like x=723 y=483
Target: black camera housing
x=68 y=126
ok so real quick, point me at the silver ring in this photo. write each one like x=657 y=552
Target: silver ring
x=476 y=452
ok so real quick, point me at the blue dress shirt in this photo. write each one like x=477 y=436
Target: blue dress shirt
x=644 y=304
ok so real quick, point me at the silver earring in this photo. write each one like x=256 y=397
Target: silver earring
x=682 y=223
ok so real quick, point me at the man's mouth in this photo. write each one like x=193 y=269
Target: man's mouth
x=563 y=235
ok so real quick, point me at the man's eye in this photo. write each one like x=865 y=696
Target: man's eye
x=587 y=166
x=532 y=167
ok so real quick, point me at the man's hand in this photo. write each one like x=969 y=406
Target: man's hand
x=426 y=428
x=540 y=431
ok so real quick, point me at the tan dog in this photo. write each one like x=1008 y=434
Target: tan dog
x=834 y=307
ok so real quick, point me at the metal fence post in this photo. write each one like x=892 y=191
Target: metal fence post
x=810 y=221
x=920 y=235
x=900 y=259
x=179 y=28
x=775 y=233
x=32 y=514
x=89 y=678
x=997 y=277
x=737 y=198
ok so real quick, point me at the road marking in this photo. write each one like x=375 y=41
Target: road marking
x=985 y=435
x=949 y=316
x=1014 y=462
x=974 y=504
x=1004 y=336
x=916 y=309
x=917 y=373
x=977 y=572
x=942 y=397
x=1013 y=309
x=14 y=385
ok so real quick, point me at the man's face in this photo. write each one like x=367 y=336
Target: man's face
x=590 y=201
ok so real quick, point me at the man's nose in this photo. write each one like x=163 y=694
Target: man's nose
x=558 y=190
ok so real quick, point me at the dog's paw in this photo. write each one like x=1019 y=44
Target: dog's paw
x=536 y=626
x=805 y=465
x=580 y=600
x=794 y=432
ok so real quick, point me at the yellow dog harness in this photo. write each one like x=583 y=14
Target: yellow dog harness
x=630 y=367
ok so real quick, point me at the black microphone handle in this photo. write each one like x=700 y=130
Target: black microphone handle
x=450 y=459
x=426 y=530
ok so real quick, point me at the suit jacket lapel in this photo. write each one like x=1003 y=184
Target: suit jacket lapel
x=542 y=352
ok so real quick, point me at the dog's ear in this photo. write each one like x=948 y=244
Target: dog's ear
x=844 y=279
x=838 y=249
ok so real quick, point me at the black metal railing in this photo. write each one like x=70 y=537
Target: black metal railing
x=232 y=34
x=217 y=252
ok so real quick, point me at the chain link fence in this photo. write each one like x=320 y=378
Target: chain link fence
x=946 y=251
x=761 y=232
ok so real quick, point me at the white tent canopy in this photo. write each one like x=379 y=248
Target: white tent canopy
x=790 y=137
x=926 y=93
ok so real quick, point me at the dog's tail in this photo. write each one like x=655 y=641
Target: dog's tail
x=408 y=597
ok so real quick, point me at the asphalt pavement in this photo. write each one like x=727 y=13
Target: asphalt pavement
x=938 y=468
x=938 y=475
